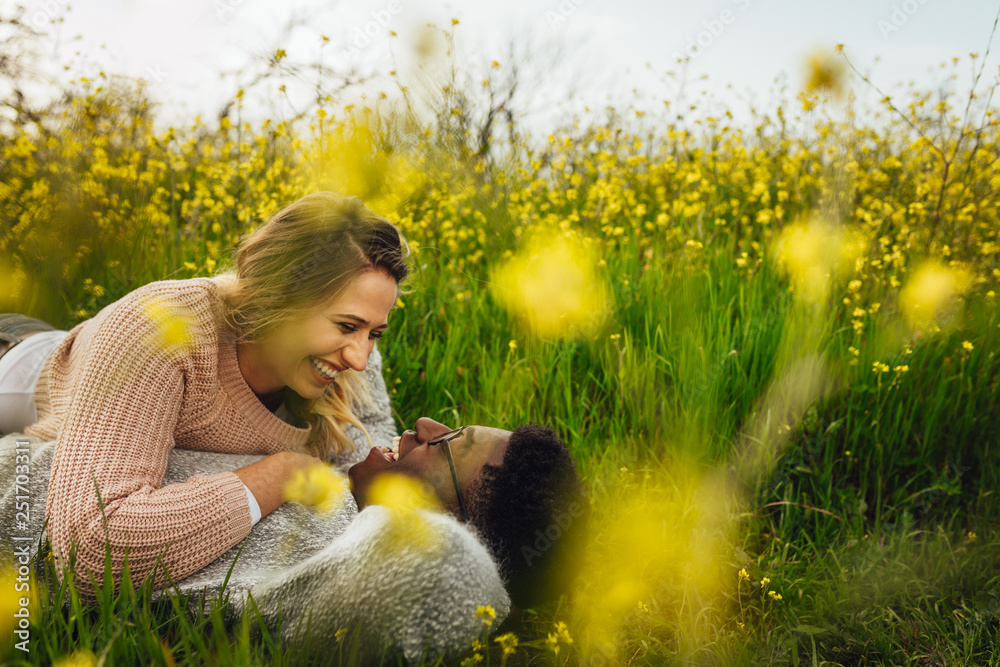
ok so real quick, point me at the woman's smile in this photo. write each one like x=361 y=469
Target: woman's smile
x=324 y=370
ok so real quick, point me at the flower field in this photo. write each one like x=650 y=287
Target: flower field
x=771 y=347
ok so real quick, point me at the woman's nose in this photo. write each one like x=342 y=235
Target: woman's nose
x=355 y=356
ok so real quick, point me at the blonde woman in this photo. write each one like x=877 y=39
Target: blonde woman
x=263 y=360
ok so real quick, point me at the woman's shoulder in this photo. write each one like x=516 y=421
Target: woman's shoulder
x=188 y=289
x=196 y=296
x=185 y=312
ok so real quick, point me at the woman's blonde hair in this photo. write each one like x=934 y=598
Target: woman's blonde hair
x=305 y=254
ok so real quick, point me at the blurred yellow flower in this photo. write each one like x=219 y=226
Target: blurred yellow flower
x=173 y=324
x=824 y=74
x=77 y=659
x=810 y=252
x=407 y=498
x=551 y=284
x=319 y=485
x=967 y=345
x=929 y=295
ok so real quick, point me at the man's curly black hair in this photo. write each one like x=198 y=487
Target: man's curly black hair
x=532 y=512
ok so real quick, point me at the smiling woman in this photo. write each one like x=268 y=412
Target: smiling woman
x=264 y=359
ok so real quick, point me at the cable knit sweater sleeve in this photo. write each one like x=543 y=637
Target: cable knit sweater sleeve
x=117 y=431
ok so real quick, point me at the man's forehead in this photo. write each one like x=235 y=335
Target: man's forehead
x=480 y=437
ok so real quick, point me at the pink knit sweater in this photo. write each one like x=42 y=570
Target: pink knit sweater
x=155 y=370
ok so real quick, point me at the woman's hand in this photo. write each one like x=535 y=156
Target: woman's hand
x=266 y=478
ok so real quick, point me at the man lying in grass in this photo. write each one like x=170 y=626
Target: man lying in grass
x=347 y=568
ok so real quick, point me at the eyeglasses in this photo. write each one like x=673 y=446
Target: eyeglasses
x=444 y=439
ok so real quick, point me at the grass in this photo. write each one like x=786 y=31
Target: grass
x=721 y=421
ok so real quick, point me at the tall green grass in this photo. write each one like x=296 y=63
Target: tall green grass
x=862 y=517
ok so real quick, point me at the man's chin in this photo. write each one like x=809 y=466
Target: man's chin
x=363 y=471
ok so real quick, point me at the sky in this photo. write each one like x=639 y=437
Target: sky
x=612 y=51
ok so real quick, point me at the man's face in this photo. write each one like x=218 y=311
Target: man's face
x=472 y=449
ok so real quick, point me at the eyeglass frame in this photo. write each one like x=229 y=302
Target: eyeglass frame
x=445 y=439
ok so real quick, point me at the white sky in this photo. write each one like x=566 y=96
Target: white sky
x=612 y=47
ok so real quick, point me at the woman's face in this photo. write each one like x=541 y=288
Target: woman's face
x=308 y=352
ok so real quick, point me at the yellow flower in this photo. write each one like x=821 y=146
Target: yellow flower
x=809 y=252
x=77 y=659
x=559 y=637
x=512 y=345
x=764 y=582
x=968 y=345
x=552 y=642
x=508 y=642
x=486 y=614
x=319 y=486
x=551 y=284
x=880 y=367
x=408 y=499
x=643 y=608
x=930 y=293
x=824 y=73
x=744 y=576
x=774 y=596
x=173 y=324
